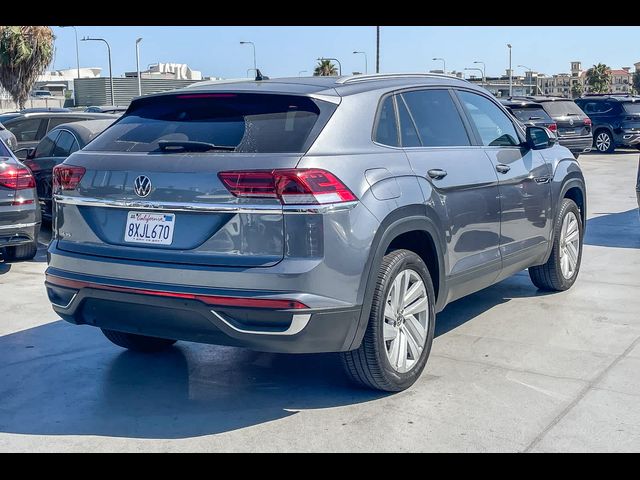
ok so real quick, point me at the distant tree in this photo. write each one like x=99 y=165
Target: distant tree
x=636 y=82
x=577 y=90
x=25 y=52
x=325 y=68
x=599 y=78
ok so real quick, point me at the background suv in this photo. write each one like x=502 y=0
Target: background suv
x=616 y=120
x=574 y=126
x=300 y=215
x=529 y=113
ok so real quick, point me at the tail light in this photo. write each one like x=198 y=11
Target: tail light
x=19 y=178
x=587 y=122
x=302 y=186
x=66 y=177
x=553 y=127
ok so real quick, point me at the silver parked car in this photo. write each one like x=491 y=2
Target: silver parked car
x=19 y=209
x=323 y=214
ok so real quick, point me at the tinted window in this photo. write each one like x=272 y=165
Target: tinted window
x=45 y=147
x=64 y=144
x=493 y=125
x=25 y=130
x=530 y=114
x=436 y=117
x=54 y=122
x=248 y=122
x=386 y=128
x=562 y=108
x=408 y=134
x=630 y=107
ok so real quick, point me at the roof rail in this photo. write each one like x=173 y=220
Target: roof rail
x=387 y=76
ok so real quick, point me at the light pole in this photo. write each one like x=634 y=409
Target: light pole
x=510 y=73
x=77 y=49
x=484 y=71
x=138 y=65
x=336 y=60
x=254 y=53
x=444 y=64
x=88 y=39
x=478 y=70
x=377 y=49
x=366 y=68
x=302 y=71
x=530 y=78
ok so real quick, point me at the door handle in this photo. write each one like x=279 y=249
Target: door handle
x=437 y=173
x=502 y=168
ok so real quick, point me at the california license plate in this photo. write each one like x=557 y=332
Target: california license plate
x=145 y=227
x=569 y=131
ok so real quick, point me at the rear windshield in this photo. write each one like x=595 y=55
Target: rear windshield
x=527 y=114
x=562 y=109
x=246 y=122
x=632 y=107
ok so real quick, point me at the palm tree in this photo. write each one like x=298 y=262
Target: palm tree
x=25 y=52
x=599 y=78
x=636 y=82
x=325 y=69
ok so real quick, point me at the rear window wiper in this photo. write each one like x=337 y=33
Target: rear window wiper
x=535 y=118
x=191 y=146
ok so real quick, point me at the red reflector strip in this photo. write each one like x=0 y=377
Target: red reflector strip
x=276 y=304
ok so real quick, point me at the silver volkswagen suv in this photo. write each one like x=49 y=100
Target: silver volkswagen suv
x=300 y=215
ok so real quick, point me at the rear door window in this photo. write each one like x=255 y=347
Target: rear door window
x=64 y=144
x=26 y=130
x=240 y=122
x=54 y=122
x=46 y=145
x=436 y=117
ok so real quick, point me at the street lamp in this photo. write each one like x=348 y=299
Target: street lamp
x=336 y=60
x=366 y=68
x=530 y=78
x=88 y=39
x=510 y=73
x=484 y=71
x=77 y=49
x=478 y=70
x=302 y=71
x=254 y=53
x=138 y=65
x=444 y=64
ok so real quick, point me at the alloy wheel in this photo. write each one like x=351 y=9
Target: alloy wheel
x=569 y=245
x=603 y=142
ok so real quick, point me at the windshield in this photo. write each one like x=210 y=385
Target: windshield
x=632 y=107
x=240 y=122
x=562 y=108
x=531 y=114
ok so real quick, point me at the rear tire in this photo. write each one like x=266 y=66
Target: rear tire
x=137 y=343
x=558 y=274
x=379 y=363
x=603 y=142
x=21 y=252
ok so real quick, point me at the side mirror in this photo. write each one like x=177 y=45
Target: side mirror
x=540 y=137
x=25 y=152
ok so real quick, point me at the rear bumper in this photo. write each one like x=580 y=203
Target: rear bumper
x=628 y=139
x=18 y=234
x=99 y=303
x=577 y=144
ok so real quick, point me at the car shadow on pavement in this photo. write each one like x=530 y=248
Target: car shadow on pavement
x=4 y=267
x=620 y=230
x=60 y=379
x=461 y=311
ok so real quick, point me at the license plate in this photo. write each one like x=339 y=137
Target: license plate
x=569 y=131
x=153 y=228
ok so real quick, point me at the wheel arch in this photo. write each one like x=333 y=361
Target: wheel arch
x=405 y=224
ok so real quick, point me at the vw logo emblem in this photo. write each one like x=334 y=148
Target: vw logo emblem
x=142 y=186
x=571 y=122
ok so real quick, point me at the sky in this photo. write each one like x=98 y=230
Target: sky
x=288 y=50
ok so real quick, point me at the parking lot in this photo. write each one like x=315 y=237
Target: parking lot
x=512 y=369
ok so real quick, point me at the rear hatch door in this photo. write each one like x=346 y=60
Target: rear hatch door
x=569 y=117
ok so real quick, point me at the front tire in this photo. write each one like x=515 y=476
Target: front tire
x=137 y=343
x=399 y=335
x=561 y=270
x=603 y=142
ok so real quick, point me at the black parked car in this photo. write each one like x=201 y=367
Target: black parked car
x=616 y=120
x=530 y=113
x=54 y=149
x=574 y=126
x=30 y=128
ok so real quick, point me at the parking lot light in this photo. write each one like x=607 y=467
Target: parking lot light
x=88 y=39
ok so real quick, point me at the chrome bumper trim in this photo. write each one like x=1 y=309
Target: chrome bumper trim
x=298 y=323
x=18 y=225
